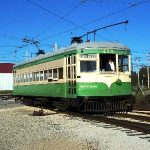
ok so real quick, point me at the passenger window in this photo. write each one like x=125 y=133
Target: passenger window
x=88 y=66
x=50 y=73
x=123 y=63
x=60 y=70
x=31 y=77
x=24 y=78
x=55 y=74
x=41 y=76
x=45 y=74
x=27 y=77
x=37 y=76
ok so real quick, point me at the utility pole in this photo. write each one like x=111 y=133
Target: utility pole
x=26 y=41
x=138 y=67
x=148 y=77
x=26 y=55
x=148 y=59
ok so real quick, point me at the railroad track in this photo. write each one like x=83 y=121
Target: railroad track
x=141 y=123
x=137 y=116
x=137 y=126
x=6 y=96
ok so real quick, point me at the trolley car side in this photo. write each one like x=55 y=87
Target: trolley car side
x=76 y=77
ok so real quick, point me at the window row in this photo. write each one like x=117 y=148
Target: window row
x=107 y=62
x=50 y=75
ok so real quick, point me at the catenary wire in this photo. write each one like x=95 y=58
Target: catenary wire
x=96 y=20
x=53 y=13
x=67 y=14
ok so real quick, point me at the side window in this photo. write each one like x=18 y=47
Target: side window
x=50 y=73
x=24 y=78
x=60 y=70
x=37 y=76
x=41 y=76
x=55 y=73
x=45 y=74
x=28 y=79
x=123 y=63
x=31 y=77
x=21 y=80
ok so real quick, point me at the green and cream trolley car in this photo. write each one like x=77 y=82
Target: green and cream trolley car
x=76 y=77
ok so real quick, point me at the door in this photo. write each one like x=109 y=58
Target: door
x=71 y=76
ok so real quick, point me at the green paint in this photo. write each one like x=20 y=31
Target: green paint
x=48 y=90
x=82 y=89
x=105 y=51
x=101 y=89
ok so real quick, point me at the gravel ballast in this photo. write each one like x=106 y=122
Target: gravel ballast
x=20 y=130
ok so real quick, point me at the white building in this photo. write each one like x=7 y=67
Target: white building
x=6 y=76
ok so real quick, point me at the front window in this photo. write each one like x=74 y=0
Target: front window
x=123 y=63
x=107 y=62
x=88 y=66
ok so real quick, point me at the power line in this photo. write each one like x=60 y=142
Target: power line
x=67 y=14
x=55 y=14
x=96 y=20
x=63 y=18
x=91 y=22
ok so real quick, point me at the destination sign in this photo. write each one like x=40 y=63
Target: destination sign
x=88 y=56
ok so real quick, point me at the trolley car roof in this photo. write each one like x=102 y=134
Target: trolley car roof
x=82 y=46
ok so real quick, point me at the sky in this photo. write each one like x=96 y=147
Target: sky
x=57 y=21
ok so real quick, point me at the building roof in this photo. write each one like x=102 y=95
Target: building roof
x=86 y=46
x=6 y=67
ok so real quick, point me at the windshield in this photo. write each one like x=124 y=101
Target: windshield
x=123 y=63
x=87 y=66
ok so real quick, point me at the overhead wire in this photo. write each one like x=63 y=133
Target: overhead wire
x=61 y=17
x=101 y=18
x=91 y=22
x=67 y=14
x=23 y=19
x=53 y=13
